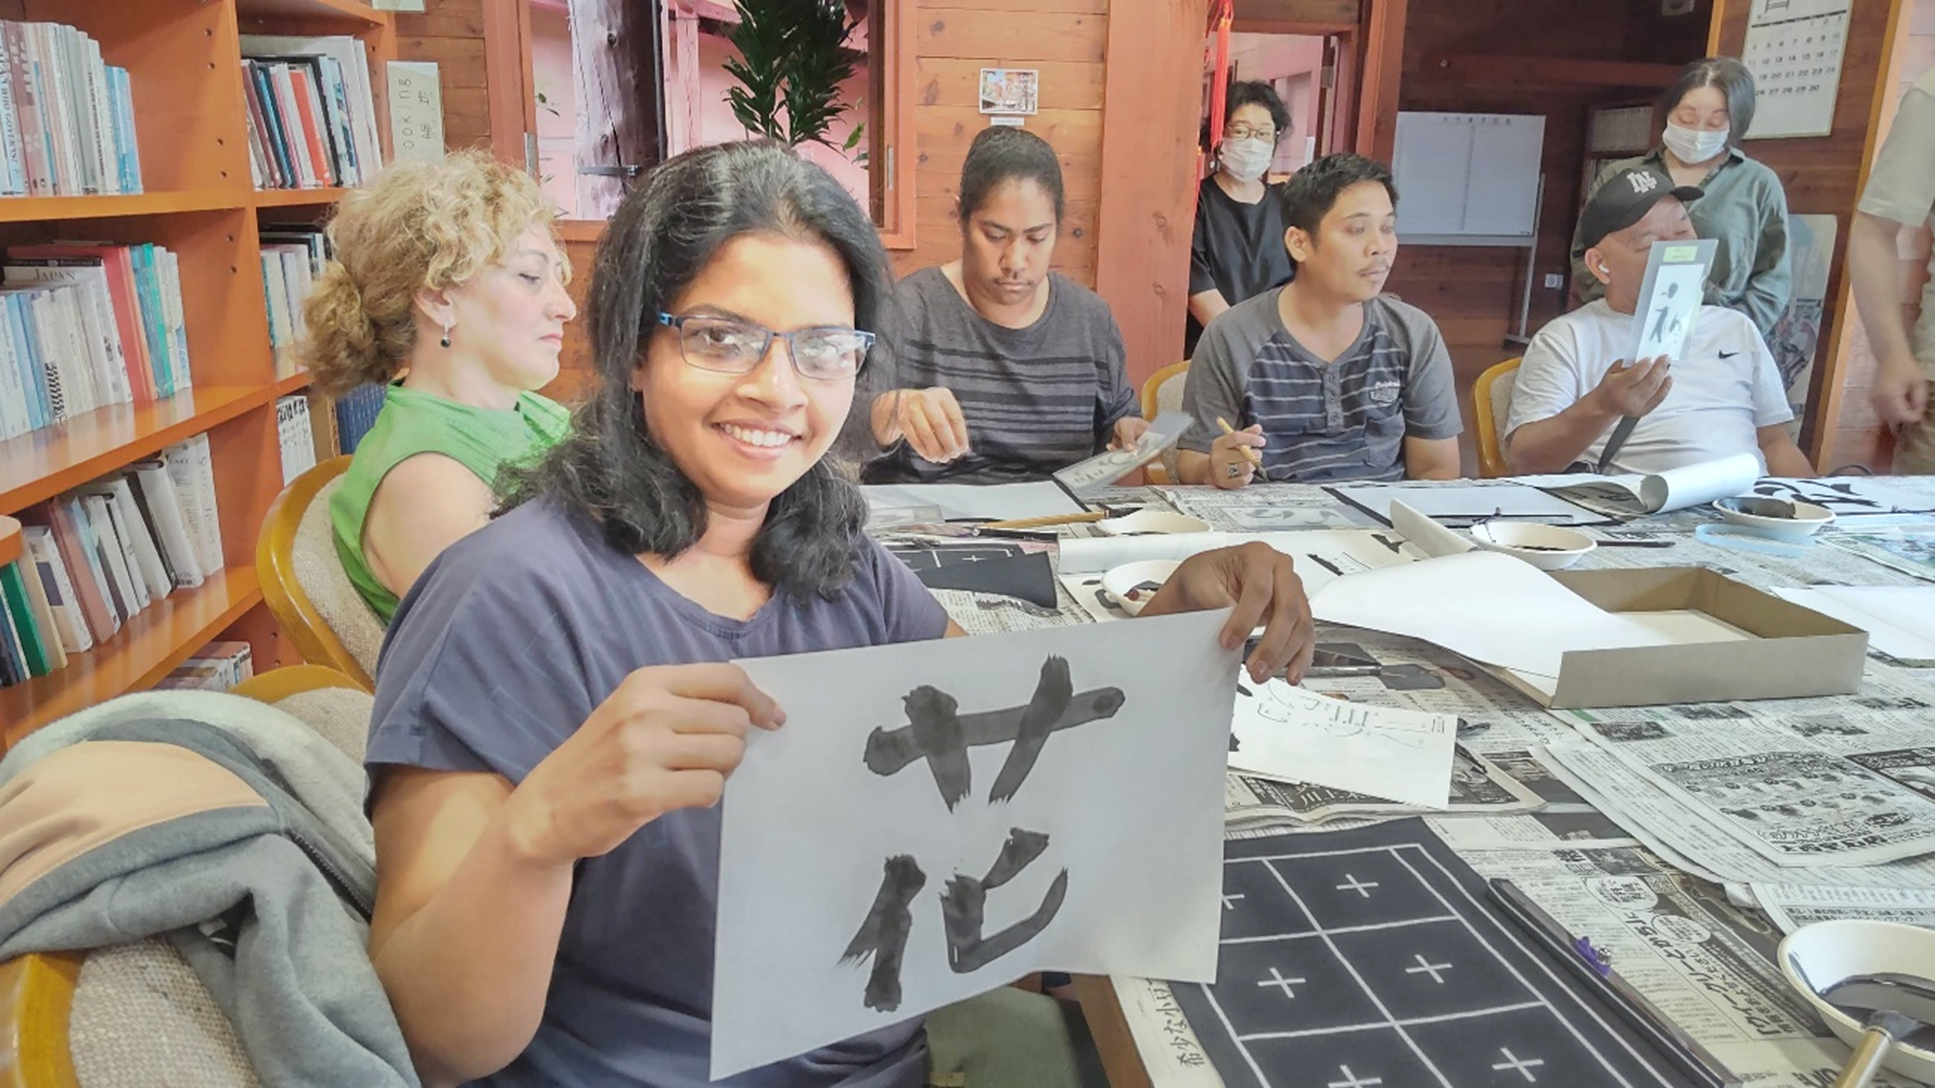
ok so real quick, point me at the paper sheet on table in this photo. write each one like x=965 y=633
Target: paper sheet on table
x=1320 y=555
x=1088 y=805
x=1293 y=735
x=1430 y=537
x=1489 y=607
x=1111 y=465
x=1042 y=498
x=1662 y=492
x=1469 y=501
x=1900 y=620
x=1854 y=500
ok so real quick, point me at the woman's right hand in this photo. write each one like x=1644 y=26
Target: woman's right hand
x=666 y=739
x=1230 y=457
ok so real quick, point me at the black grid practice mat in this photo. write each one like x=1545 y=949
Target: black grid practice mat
x=1374 y=959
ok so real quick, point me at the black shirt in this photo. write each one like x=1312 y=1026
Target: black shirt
x=1237 y=248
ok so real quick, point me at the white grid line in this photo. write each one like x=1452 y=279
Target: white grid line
x=1395 y=851
x=1539 y=959
x=1413 y=1022
x=1365 y=928
x=1365 y=986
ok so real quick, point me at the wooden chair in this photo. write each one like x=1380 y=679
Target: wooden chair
x=1162 y=391
x=305 y=585
x=135 y=1015
x=1491 y=405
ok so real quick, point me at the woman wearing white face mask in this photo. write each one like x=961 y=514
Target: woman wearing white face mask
x=1706 y=111
x=1237 y=251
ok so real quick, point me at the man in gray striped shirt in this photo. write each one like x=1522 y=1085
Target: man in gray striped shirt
x=1326 y=378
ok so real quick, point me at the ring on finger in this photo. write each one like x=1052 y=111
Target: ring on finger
x=1234 y=469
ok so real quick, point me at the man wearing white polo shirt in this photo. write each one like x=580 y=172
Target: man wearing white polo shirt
x=1722 y=396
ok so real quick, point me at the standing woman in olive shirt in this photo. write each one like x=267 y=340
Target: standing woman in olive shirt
x=448 y=285
x=1706 y=113
x=1237 y=251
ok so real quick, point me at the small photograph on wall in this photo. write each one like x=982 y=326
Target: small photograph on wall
x=1810 y=246
x=1010 y=90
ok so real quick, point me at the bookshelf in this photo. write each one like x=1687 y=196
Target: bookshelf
x=183 y=59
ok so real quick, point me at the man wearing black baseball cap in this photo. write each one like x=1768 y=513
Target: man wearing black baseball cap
x=1722 y=396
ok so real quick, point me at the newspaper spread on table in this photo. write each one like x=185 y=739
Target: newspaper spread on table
x=1268 y=508
x=1905 y=550
x=1792 y=906
x=1794 y=800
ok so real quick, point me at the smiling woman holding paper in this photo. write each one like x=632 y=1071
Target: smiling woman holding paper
x=556 y=714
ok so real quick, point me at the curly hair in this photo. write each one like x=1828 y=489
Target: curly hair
x=418 y=226
x=610 y=470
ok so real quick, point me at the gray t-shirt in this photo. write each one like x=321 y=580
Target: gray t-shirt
x=1036 y=399
x=504 y=646
x=1324 y=421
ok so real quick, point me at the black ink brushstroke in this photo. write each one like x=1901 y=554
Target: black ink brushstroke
x=1053 y=693
x=883 y=934
x=936 y=732
x=963 y=906
x=889 y=751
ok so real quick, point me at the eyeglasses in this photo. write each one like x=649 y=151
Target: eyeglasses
x=728 y=346
x=1245 y=132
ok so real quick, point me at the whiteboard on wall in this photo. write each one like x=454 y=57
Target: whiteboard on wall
x=1468 y=179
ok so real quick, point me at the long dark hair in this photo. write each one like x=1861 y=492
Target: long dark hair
x=668 y=228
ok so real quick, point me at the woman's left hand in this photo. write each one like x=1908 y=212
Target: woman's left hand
x=1128 y=431
x=1262 y=585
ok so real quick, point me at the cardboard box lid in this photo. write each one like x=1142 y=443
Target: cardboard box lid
x=1796 y=652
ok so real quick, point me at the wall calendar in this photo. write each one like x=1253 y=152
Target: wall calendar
x=1794 y=49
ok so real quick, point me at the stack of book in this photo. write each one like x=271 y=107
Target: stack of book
x=219 y=666
x=103 y=553
x=292 y=260
x=87 y=326
x=296 y=435
x=312 y=119
x=66 y=118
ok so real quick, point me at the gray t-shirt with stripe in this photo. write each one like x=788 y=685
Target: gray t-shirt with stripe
x=1344 y=419
x=1036 y=399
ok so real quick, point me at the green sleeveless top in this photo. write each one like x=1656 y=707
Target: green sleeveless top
x=412 y=422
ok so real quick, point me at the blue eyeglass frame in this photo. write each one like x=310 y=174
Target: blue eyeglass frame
x=677 y=321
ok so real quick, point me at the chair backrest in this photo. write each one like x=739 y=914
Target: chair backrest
x=304 y=583
x=1491 y=405
x=1163 y=389
x=1163 y=392
x=134 y=1015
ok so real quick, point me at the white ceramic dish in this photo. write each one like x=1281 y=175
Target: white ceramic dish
x=1131 y=585
x=1144 y=522
x=1825 y=953
x=1776 y=519
x=1547 y=547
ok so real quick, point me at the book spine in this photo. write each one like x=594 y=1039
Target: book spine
x=90 y=580
x=13 y=587
x=40 y=590
x=69 y=621
x=170 y=522
x=14 y=155
x=176 y=317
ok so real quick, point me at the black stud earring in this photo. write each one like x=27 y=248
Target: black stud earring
x=446 y=338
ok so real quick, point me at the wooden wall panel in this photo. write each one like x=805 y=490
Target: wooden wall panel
x=1823 y=175
x=451 y=33
x=1063 y=39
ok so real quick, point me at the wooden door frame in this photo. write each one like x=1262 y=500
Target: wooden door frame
x=507 y=72
x=1382 y=57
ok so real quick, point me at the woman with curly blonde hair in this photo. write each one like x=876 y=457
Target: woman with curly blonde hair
x=448 y=286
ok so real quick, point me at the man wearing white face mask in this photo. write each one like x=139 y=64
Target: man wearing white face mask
x=1706 y=111
x=1237 y=251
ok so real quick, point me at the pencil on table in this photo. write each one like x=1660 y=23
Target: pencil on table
x=1247 y=451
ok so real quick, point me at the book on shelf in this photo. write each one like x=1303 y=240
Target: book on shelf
x=356 y=413
x=100 y=555
x=292 y=261
x=310 y=112
x=296 y=436
x=66 y=116
x=87 y=326
x=218 y=666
